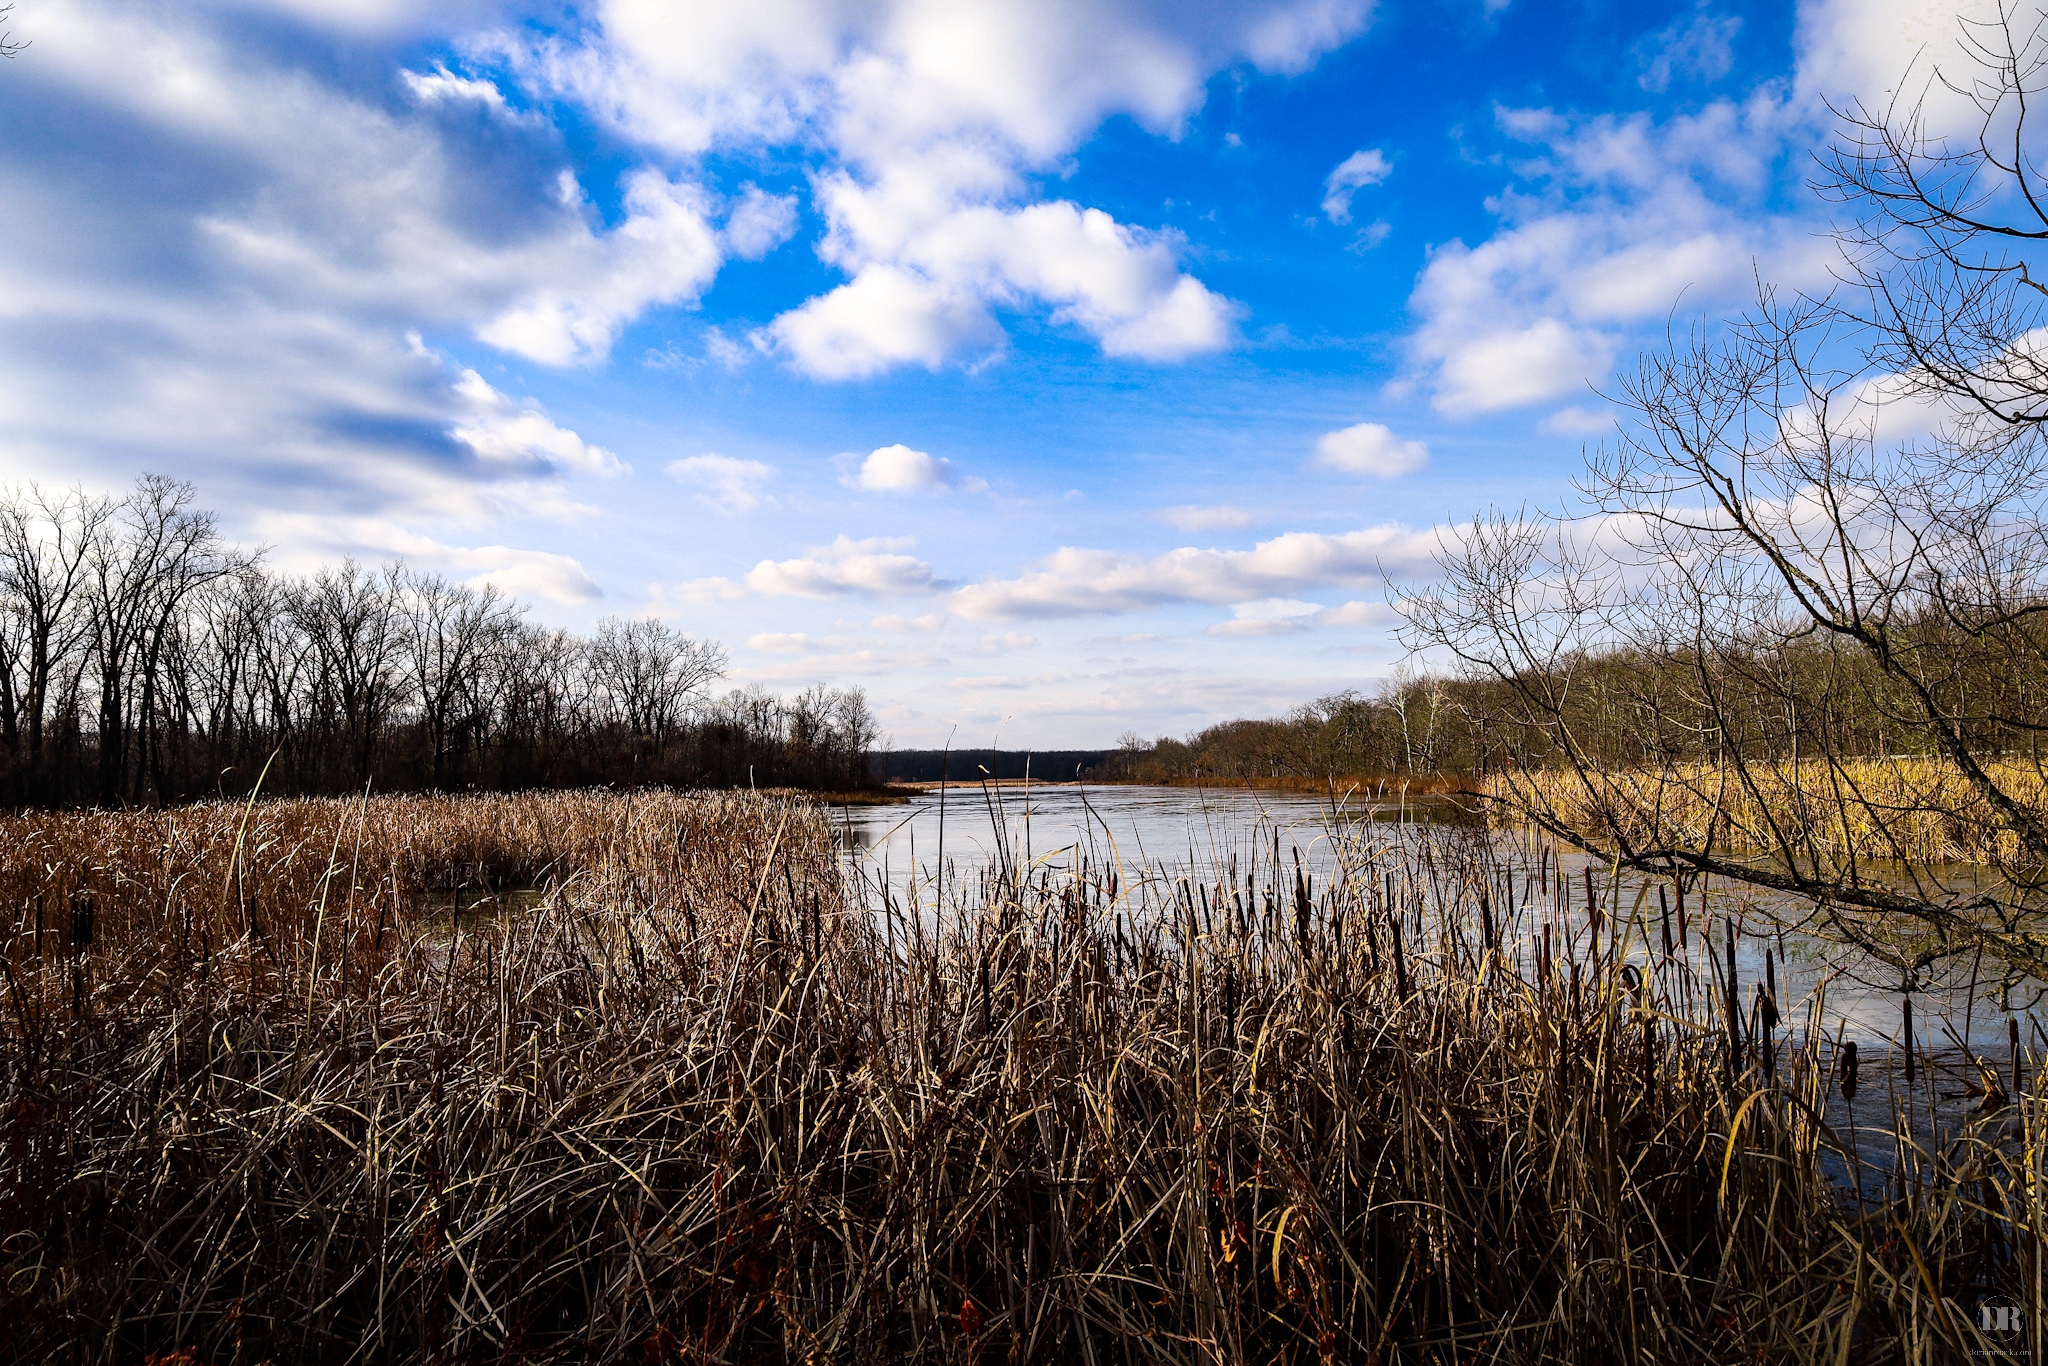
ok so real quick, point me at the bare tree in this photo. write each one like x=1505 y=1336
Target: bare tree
x=451 y=630
x=1796 y=634
x=142 y=566
x=646 y=673
x=8 y=46
x=45 y=540
x=351 y=618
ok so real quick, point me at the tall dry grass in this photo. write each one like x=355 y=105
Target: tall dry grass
x=695 y=1103
x=1908 y=809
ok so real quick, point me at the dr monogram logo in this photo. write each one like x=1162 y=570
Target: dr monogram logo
x=2004 y=1328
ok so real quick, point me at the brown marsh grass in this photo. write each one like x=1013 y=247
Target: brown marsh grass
x=695 y=1103
x=1907 y=809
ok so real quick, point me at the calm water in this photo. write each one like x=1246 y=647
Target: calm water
x=1160 y=835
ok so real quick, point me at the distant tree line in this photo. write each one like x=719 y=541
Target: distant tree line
x=145 y=659
x=1412 y=724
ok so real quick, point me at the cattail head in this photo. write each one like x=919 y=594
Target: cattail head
x=1849 y=1070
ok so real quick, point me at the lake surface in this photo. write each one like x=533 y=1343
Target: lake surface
x=1155 y=836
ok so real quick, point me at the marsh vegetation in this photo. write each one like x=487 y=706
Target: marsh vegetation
x=696 y=1101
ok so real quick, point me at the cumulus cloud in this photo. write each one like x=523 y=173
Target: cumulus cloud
x=441 y=84
x=1370 y=449
x=1006 y=642
x=924 y=283
x=1873 y=49
x=1080 y=582
x=1356 y=613
x=1353 y=174
x=725 y=483
x=1610 y=222
x=899 y=469
x=1199 y=517
x=874 y=566
x=934 y=120
x=665 y=252
x=228 y=275
x=780 y=642
x=1612 y=219
x=759 y=223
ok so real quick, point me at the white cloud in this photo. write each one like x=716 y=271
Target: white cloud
x=723 y=482
x=1356 y=613
x=1006 y=642
x=1610 y=223
x=925 y=277
x=933 y=119
x=1289 y=616
x=759 y=223
x=244 y=322
x=307 y=540
x=899 y=469
x=1577 y=421
x=665 y=252
x=440 y=84
x=1197 y=517
x=1370 y=449
x=1081 y=582
x=883 y=318
x=502 y=431
x=1245 y=628
x=780 y=643
x=927 y=622
x=873 y=566
x=1353 y=174
x=1871 y=49
x=1700 y=46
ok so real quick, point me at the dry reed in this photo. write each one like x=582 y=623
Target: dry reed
x=1912 y=809
x=695 y=1103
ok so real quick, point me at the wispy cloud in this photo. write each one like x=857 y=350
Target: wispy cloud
x=1080 y=582
x=722 y=482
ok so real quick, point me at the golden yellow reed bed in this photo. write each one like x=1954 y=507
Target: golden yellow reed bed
x=1918 y=809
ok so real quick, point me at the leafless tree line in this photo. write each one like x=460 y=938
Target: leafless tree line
x=1408 y=726
x=1795 y=634
x=143 y=659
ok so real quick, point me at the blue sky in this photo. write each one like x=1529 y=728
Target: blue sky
x=1049 y=369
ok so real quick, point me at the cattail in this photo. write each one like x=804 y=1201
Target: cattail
x=1301 y=905
x=1908 y=1035
x=81 y=921
x=1400 y=964
x=1664 y=911
x=1849 y=1070
x=1767 y=1020
x=2012 y=1039
x=1734 y=1002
